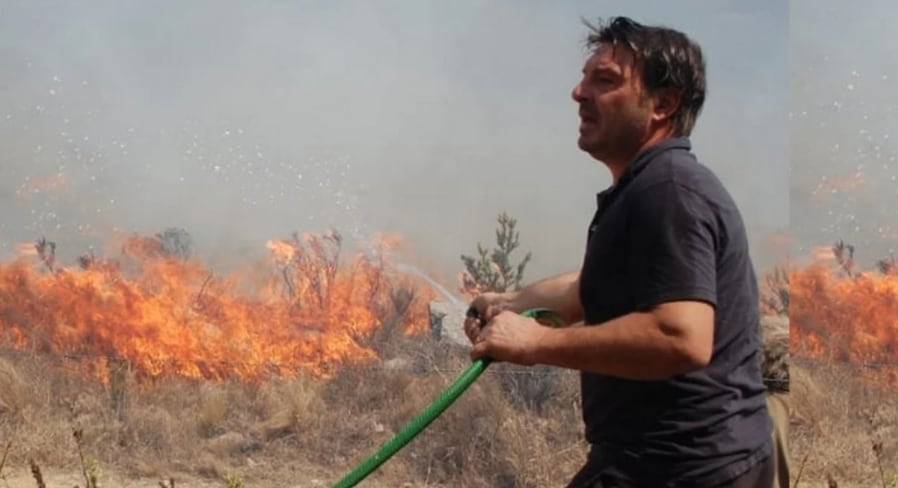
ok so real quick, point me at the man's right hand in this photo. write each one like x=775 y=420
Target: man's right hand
x=483 y=309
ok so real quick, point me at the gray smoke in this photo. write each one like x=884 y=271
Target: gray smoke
x=244 y=121
x=844 y=127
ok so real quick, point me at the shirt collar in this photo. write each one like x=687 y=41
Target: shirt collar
x=642 y=160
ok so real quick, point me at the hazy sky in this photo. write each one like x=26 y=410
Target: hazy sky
x=845 y=126
x=245 y=121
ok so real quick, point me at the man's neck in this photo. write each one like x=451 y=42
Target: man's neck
x=619 y=165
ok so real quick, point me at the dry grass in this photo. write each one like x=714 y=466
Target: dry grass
x=287 y=432
x=844 y=427
x=515 y=427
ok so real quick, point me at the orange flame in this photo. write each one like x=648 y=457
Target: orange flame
x=33 y=186
x=845 y=317
x=167 y=315
x=26 y=250
x=846 y=184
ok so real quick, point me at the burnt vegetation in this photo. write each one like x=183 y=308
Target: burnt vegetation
x=176 y=430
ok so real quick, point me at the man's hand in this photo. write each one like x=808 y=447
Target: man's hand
x=482 y=310
x=509 y=337
x=559 y=293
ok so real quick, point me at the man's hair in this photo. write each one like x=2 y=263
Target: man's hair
x=666 y=58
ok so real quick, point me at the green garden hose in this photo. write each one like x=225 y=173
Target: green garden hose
x=435 y=409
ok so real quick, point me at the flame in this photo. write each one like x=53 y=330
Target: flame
x=846 y=184
x=164 y=314
x=33 y=186
x=26 y=250
x=821 y=253
x=841 y=315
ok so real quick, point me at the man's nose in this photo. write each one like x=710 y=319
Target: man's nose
x=577 y=92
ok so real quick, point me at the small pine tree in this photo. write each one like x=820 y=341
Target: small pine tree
x=492 y=270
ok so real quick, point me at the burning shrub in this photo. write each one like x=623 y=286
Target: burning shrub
x=164 y=316
x=843 y=314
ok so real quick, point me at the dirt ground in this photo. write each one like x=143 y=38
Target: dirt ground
x=21 y=477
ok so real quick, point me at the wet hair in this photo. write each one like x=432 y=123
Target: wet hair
x=666 y=58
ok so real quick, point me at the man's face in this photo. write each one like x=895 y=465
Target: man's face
x=614 y=113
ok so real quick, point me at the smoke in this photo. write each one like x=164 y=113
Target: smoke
x=241 y=122
x=844 y=127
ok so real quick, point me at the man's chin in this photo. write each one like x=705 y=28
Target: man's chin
x=586 y=144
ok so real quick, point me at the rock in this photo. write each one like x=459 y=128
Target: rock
x=230 y=443
x=397 y=364
x=447 y=323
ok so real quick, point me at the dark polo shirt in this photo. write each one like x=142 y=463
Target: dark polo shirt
x=669 y=230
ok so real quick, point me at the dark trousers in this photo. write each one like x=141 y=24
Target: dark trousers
x=762 y=475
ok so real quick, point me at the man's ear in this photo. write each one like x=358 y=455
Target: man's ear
x=666 y=102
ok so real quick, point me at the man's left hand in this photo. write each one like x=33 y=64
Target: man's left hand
x=509 y=337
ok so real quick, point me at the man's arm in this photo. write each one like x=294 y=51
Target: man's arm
x=674 y=338
x=673 y=256
x=560 y=293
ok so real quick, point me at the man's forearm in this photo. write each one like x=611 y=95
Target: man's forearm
x=559 y=293
x=635 y=346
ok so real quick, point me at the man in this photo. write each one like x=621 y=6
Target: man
x=669 y=350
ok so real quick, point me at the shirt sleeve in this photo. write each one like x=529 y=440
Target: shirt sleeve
x=674 y=234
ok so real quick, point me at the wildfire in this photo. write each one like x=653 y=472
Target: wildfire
x=48 y=184
x=846 y=184
x=166 y=314
x=842 y=315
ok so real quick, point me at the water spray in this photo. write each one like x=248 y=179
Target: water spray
x=408 y=268
x=449 y=395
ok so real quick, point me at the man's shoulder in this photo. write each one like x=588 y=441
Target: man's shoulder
x=682 y=169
